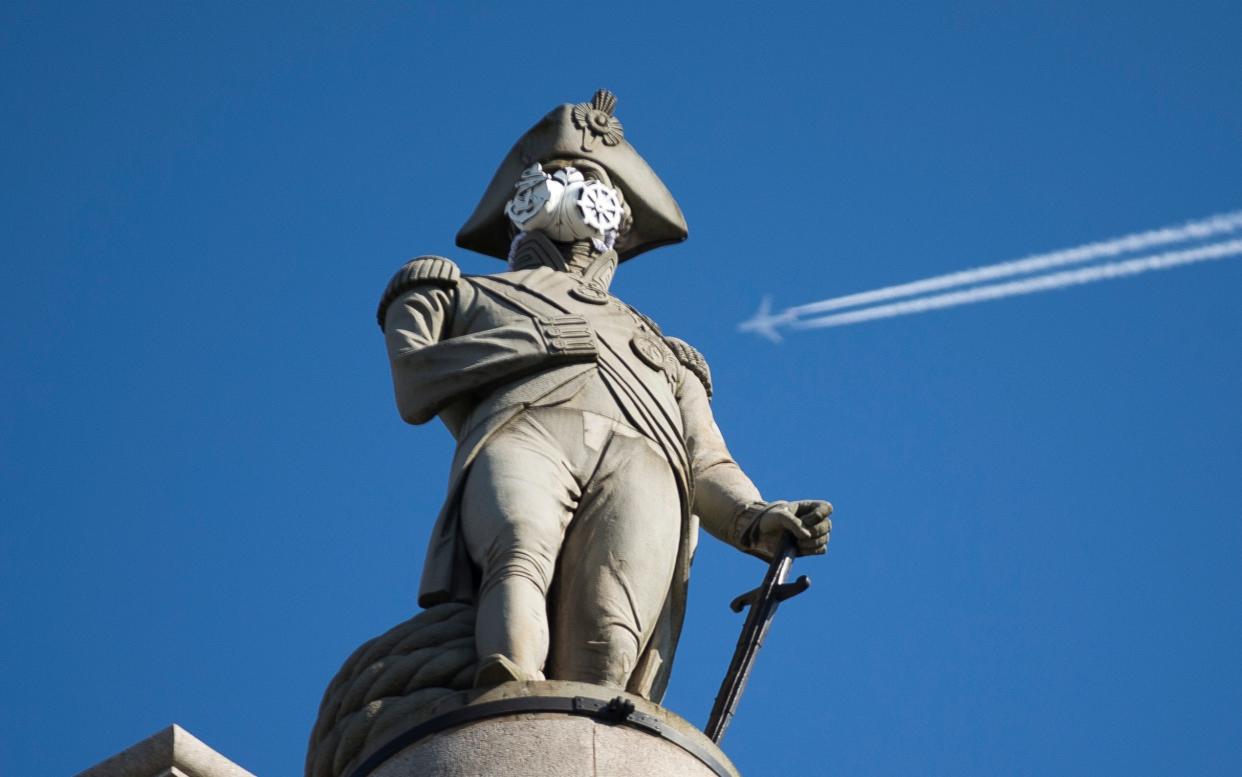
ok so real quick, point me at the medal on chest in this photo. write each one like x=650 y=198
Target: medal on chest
x=589 y=291
x=654 y=353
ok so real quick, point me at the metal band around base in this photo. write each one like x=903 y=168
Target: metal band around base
x=618 y=711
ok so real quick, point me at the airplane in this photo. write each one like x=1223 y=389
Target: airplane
x=763 y=323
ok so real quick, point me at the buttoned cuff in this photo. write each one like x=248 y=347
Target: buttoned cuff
x=744 y=532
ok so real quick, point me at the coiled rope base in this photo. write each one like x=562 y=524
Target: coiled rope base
x=387 y=680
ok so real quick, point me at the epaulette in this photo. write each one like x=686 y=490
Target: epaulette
x=693 y=360
x=435 y=270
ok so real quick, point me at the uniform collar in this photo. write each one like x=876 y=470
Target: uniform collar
x=535 y=249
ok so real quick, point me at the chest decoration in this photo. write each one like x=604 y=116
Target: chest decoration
x=590 y=291
x=654 y=353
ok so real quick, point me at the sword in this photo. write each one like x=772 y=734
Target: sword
x=763 y=602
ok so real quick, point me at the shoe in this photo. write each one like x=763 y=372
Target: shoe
x=496 y=669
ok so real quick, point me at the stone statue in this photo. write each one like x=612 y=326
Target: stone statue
x=586 y=453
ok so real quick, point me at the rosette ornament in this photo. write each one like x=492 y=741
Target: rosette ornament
x=597 y=122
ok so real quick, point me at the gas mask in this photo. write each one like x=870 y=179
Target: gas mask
x=565 y=206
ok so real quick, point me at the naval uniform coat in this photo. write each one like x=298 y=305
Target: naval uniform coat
x=479 y=350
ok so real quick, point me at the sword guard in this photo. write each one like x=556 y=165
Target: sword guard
x=779 y=593
x=790 y=590
x=739 y=603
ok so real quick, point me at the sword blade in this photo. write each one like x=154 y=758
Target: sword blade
x=763 y=602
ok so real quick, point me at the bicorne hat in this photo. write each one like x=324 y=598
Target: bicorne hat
x=587 y=131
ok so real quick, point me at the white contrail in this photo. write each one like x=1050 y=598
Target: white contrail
x=1039 y=283
x=1139 y=241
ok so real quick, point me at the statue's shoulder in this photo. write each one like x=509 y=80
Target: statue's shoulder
x=693 y=360
x=504 y=276
x=423 y=270
x=535 y=276
x=540 y=281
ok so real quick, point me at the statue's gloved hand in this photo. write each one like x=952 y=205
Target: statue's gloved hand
x=807 y=520
x=568 y=337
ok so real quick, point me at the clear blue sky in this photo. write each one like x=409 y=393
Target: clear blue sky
x=209 y=499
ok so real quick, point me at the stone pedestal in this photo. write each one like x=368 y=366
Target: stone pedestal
x=173 y=752
x=544 y=729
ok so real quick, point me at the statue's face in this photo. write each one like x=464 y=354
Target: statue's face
x=590 y=170
x=566 y=204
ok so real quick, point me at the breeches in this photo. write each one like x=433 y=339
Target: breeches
x=574 y=520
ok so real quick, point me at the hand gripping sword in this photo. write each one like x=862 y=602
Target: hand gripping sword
x=763 y=602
